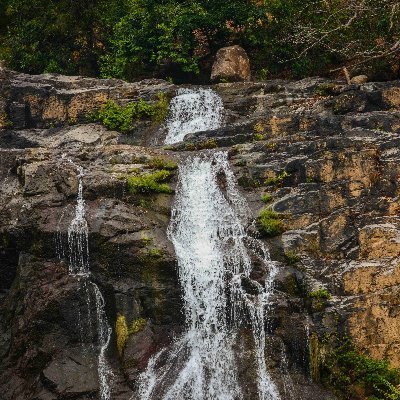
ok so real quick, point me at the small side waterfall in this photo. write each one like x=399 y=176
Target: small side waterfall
x=193 y=111
x=78 y=264
x=214 y=256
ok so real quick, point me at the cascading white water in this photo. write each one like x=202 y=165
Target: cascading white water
x=193 y=110
x=214 y=257
x=78 y=257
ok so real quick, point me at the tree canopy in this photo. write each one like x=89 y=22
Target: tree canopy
x=172 y=38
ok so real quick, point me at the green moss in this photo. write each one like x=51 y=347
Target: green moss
x=291 y=257
x=121 y=331
x=266 y=198
x=241 y=163
x=270 y=223
x=319 y=299
x=320 y=294
x=5 y=122
x=325 y=89
x=155 y=253
x=160 y=108
x=160 y=163
x=348 y=371
x=150 y=183
x=137 y=326
x=277 y=180
x=207 y=144
x=258 y=137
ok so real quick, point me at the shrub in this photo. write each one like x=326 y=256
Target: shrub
x=120 y=118
x=150 y=183
x=346 y=368
x=269 y=223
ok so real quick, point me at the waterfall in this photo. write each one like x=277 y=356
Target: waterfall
x=214 y=255
x=193 y=110
x=78 y=264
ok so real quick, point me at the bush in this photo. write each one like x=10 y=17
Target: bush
x=114 y=116
x=346 y=369
x=150 y=183
x=269 y=223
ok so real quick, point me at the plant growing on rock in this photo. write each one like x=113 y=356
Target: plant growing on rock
x=276 y=180
x=266 y=198
x=121 y=330
x=120 y=118
x=160 y=163
x=270 y=223
x=347 y=370
x=150 y=183
x=137 y=326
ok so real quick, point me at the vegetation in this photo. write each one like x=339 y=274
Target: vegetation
x=320 y=294
x=137 y=326
x=277 y=180
x=266 y=198
x=120 y=118
x=153 y=182
x=291 y=257
x=160 y=163
x=270 y=223
x=346 y=370
x=170 y=38
x=319 y=299
x=121 y=330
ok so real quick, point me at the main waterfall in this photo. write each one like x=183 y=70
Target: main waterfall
x=214 y=252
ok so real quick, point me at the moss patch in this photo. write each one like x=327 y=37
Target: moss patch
x=137 y=326
x=121 y=330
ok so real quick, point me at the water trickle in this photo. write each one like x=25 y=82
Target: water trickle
x=214 y=255
x=193 y=110
x=78 y=257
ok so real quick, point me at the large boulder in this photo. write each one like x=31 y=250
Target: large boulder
x=231 y=64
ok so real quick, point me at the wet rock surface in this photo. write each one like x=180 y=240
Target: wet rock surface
x=325 y=152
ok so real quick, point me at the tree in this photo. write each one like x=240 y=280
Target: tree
x=56 y=36
x=169 y=33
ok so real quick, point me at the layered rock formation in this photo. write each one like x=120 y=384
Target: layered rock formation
x=327 y=155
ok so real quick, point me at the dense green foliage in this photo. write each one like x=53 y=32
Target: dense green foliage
x=120 y=118
x=346 y=369
x=153 y=182
x=171 y=38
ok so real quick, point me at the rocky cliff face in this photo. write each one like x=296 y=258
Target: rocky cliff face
x=326 y=154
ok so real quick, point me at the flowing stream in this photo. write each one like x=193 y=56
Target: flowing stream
x=78 y=263
x=214 y=252
x=193 y=110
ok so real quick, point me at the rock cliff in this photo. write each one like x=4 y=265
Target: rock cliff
x=322 y=154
